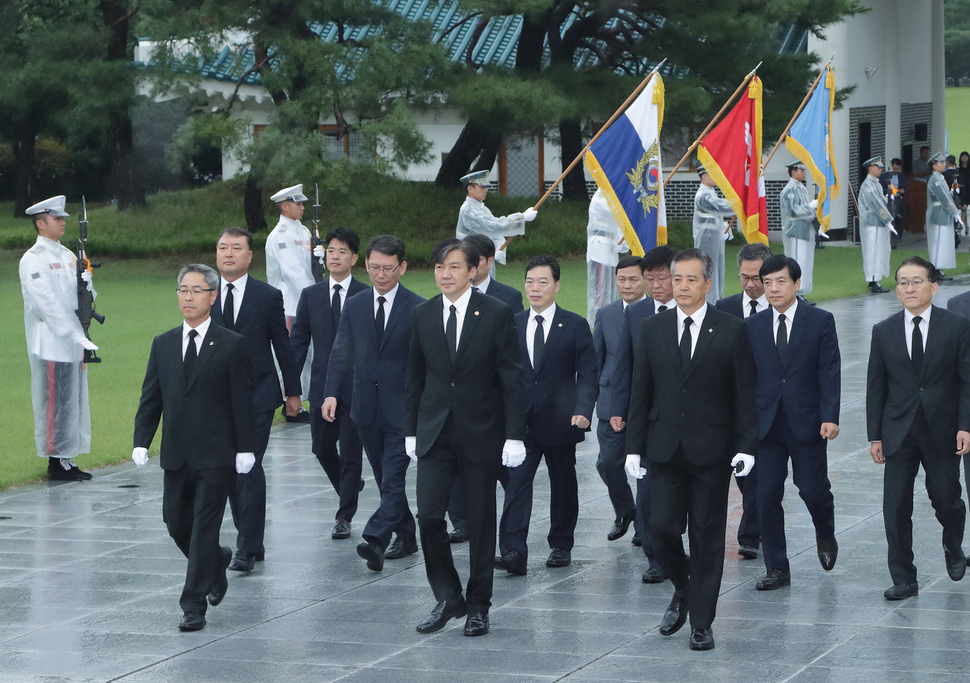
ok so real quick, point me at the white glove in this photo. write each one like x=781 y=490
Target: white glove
x=139 y=456
x=824 y=235
x=891 y=228
x=513 y=453
x=320 y=253
x=960 y=221
x=746 y=460
x=728 y=234
x=245 y=462
x=529 y=215
x=88 y=345
x=86 y=276
x=813 y=204
x=633 y=466
x=411 y=447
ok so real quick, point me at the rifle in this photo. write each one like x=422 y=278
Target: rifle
x=316 y=267
x=85 y=299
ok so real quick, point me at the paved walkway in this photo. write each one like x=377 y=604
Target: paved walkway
x=90 y=584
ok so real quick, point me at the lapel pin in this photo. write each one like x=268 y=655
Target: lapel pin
x=710 y=329
x=212 y=343
x=476 y=312
x=560 y=324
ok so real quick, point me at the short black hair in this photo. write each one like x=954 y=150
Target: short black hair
x=932 y=274
x=926 y=147
x=950 y=159
x=896 y=160
x=629 y=262
x=544 y=260
x=486 y=247
x=389 y=245
x=693 y=254
x=441 y=250
x=345 y=235
x=779 y=262
x=658 y=257
x=755 y=251
x=237 y=232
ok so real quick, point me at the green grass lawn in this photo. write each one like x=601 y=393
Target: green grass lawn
x=957 y=117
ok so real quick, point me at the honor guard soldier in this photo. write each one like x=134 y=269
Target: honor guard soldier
x=941 y=212
x=288 y=266
x=710 y=233
x=875 y=222
x=797 y=212
x=55 y=344
x=475 y=218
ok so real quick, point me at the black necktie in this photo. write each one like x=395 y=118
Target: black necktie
x=191 y=355
x=663 y=307
x=917 y=344
x=451 y=334
x=781 y=338
x=754 y=307
x=685 y=343
x=379 y=319
x=538 y=344
x=229 y=310
x=335 y=306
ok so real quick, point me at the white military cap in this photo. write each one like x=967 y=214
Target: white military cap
x=701 y=171
x=938 y=157
x=475 y=178
x=796 y=165
x=290 y=194
x=874 y=161
x=53 y=206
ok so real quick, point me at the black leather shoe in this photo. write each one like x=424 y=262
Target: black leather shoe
x=442 y=612
x=513 y=563
x=877 y=288
x=654 y=575
x=620 y=526
x=341 y=530
x=192 y=622
x=828 y=552
x=559 y=558
x=748 y=552
x=675 y=616
x=901 y=591
x=374 y=555
x=636 y=539
x=458 y=535
x=399 y=549
x=943 y=277
x=476 y=624
x=956 y=563
x=303 y=416
x=242 y=561
x=701 y=639
x=802 y=300
x=220 y=584
x=774 y=579
x=64 y=469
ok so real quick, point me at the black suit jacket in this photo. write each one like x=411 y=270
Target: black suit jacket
x=510 y=296
x=207 y=419
x=483 y=390
x=705 y=408
x=377 y=369
x=633 y=318
x=960 y=304
x=314 y=324
x=564 y=384
x=894 y=392
x=732 y=305
x=263 y=325
x=809 y=382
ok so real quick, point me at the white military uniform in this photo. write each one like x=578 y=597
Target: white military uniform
x=58 y=377
x=476 y=218
x=874 y=223
x=709 y=213
x=603 y=236
x=796 y=228
x=288 y=261
x=940 y=214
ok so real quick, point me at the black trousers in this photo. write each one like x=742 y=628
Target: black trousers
x=437 y=470
x=193 y=503
x=344 y=469
x=610 y=465
x=247 y=499
x=695 y=494
x=384 y=445
x=749 y=528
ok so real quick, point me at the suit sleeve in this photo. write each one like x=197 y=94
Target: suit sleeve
x=599 y=342
x=516 y=306
x=300 y=331
x=509 y=371
x=963 y=415
x=283 y=347
x=150 y=406
x=587 y=377
x=641 y=396
x=620 y=381
x=241 y=397
x=829 y=372
x=745 y=412
x=877 y=387
x=341 y=357
x=414 y=378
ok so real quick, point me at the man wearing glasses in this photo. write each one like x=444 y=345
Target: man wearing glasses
x=918 y=413
x=372 y=348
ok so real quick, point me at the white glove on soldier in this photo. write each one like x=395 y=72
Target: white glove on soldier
x=529 y=215
x=88 y=345
x=139 y=456
x=633 y=468
x=86 y=276
x=813 y=204
x=411 y=447
x=513 y=453
x=748 y=464
x=245 y=462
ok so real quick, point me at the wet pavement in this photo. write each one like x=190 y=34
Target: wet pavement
x=89 y=586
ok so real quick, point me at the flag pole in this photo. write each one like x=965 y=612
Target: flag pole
x=711 y=124
x=798 y=111
x=616 y=115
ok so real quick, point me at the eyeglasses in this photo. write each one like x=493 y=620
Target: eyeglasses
x=194 y=291
x=745 y=279
x=915 y=283
x=387 y=270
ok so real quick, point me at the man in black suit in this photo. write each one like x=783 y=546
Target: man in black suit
x=961 y=304
x=798 y=387
x=607 y=334
x=372 y=348
x=317 y=317
x=463 y=415
x=690 y=413
x=199 y=376
x=918 y=412
x=655 y=267
x=559 y=375
x=254 y=309
x=751 y=300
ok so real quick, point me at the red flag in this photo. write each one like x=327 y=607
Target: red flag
x=731 y=154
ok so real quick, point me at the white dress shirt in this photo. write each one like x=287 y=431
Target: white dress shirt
x=483 y=285
x=388 y=303
x=344 y=284
x=530 y=328
x=669 y=304
x=238 y=290
x=746 y=300
x=461 y=305
x=625 y=304
x=201 y=329
x=924 y=327
x=789 y=316
x=697 y=317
